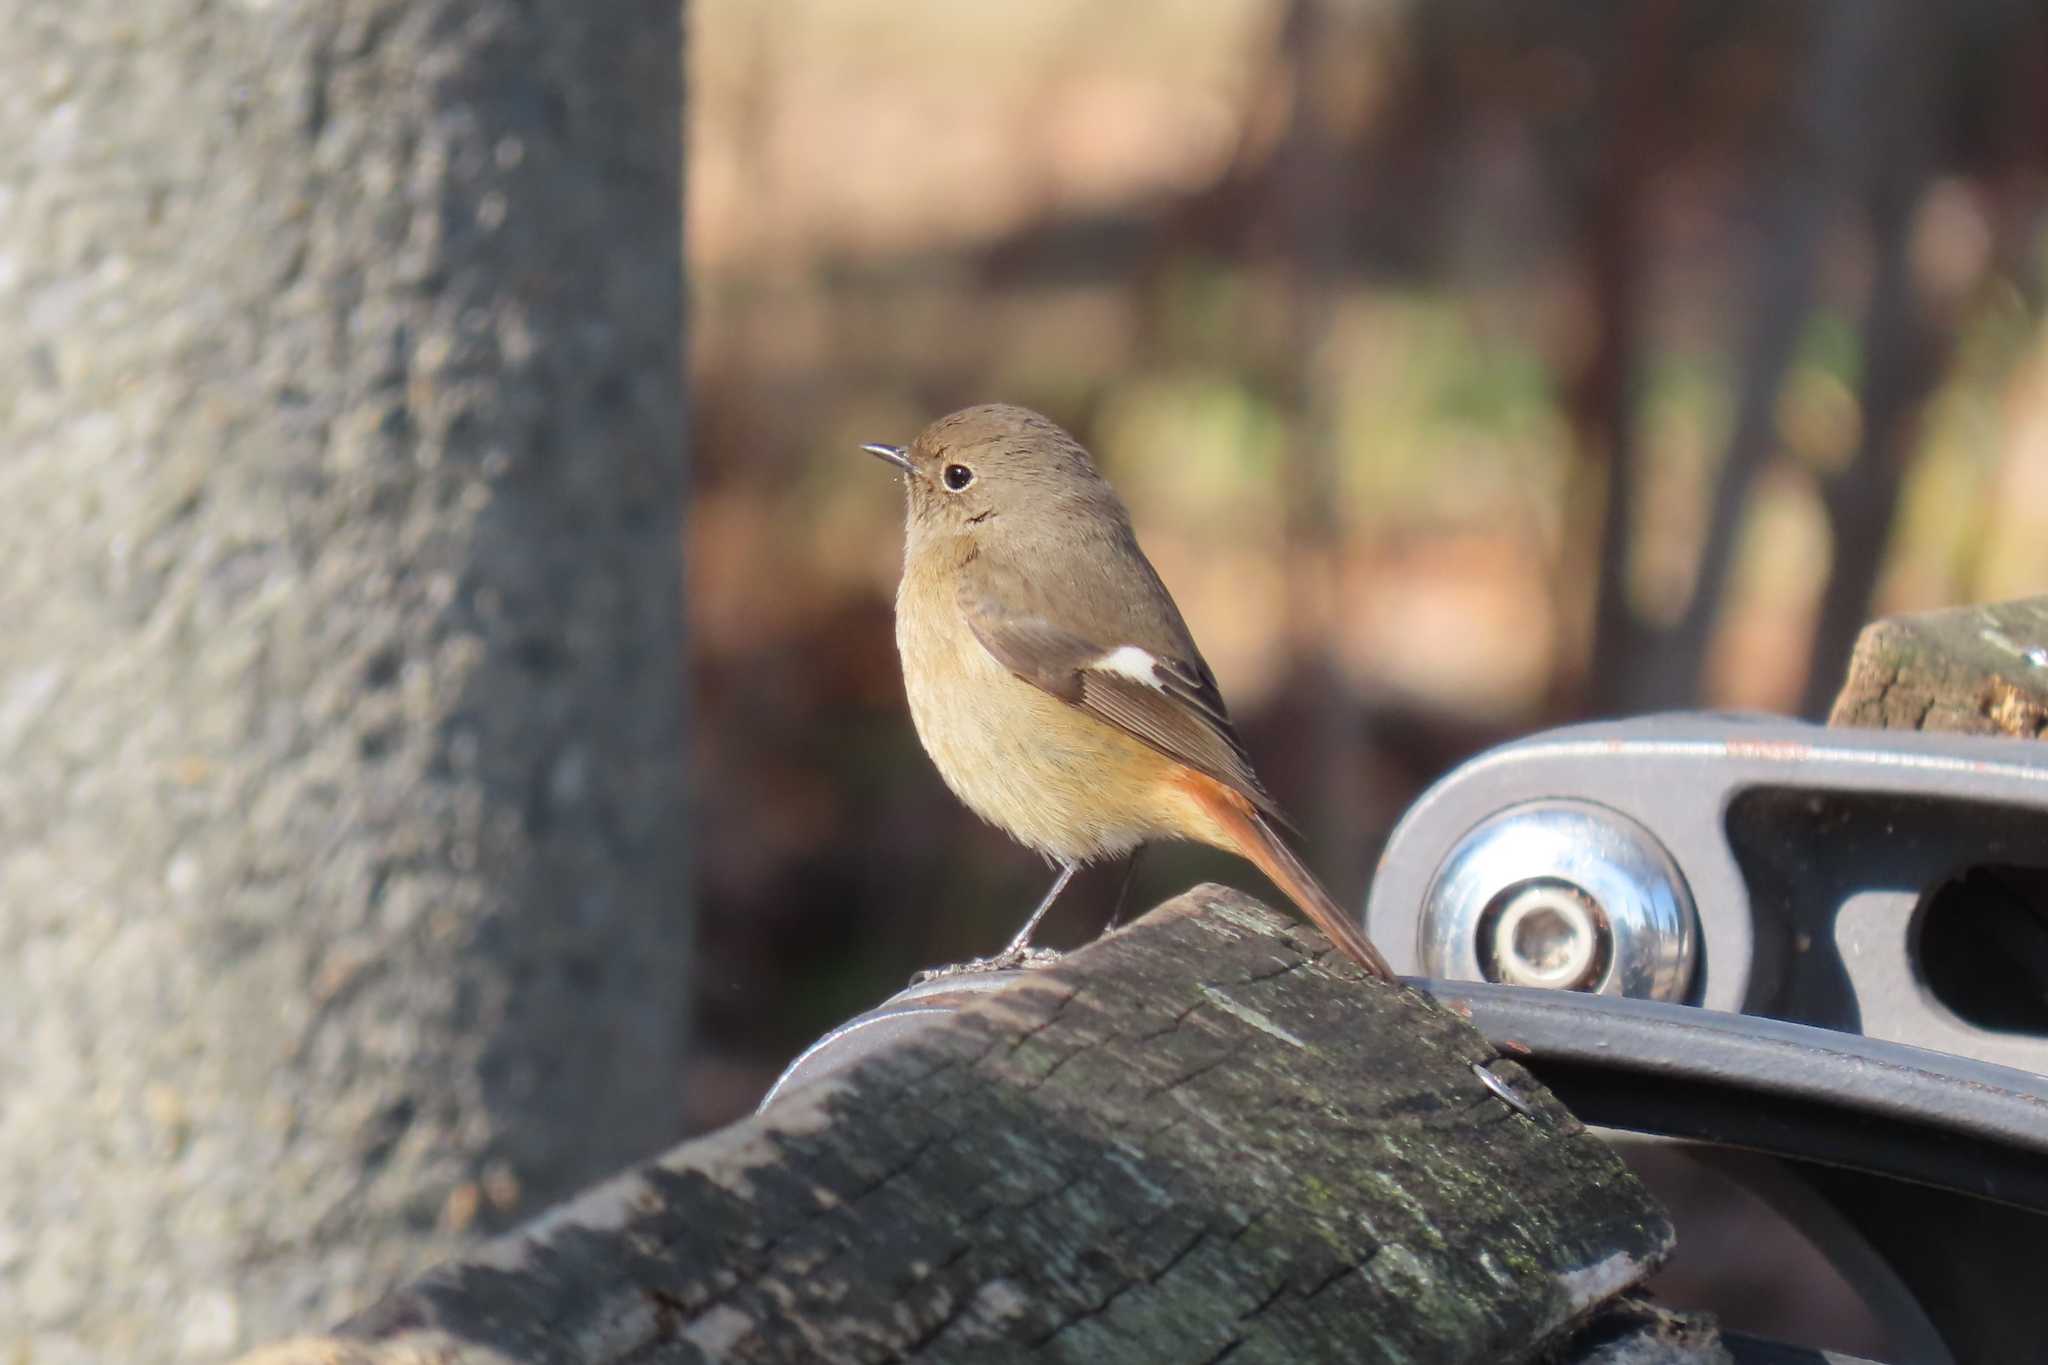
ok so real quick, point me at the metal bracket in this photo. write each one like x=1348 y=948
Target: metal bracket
x=1809 y=858
x=1787 y=1089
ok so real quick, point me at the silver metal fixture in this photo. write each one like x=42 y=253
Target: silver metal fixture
x=1564 y=894
x=1871 y=881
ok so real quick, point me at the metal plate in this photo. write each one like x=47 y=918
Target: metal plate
x=1789 y=1090
x=1809 y=854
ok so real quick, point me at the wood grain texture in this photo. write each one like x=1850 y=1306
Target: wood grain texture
x=1971 y=670
x=1206 y=1136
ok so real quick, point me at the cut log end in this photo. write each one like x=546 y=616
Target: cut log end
x=1972 y=670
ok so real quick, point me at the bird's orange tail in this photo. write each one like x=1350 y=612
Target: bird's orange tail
x=1254 y=839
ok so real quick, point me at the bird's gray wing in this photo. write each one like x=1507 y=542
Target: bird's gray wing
x=1147 y=687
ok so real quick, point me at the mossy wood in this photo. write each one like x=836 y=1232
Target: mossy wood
x=1204 y=1136
x=1976 y=670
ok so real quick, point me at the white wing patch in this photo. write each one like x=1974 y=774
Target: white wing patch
x=1129 y=661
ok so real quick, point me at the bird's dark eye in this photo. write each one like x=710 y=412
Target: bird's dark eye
x=957 y=476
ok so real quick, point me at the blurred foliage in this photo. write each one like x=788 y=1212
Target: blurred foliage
x=1356 y=302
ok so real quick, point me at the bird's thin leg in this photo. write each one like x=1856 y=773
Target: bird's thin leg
x=1020 y=953
x=1123 y=887
x=1021 y=945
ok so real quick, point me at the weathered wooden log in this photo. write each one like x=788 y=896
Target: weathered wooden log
x=1974 y=670
x=1203 y=1136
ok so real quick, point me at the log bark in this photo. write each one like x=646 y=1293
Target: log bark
x=340 y=696
x=1205 y=1136
x=1970 y=670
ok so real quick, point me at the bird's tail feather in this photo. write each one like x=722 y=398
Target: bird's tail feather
x=1257 y=841
x=1270 y=853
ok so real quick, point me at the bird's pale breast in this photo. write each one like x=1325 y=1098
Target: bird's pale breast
x=1051 y=777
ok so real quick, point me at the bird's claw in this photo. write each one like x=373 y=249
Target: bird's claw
x=1009 y=960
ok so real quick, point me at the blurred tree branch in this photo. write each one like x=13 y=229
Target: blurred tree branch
x=1637 y=666
x=1604 y=399
x=1313 y=180
x=1903 y=349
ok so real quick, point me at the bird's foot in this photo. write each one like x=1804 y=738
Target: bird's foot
x=1009 y=960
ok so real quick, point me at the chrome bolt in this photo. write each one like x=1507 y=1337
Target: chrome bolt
x=1562 y=894
x=1547 y=933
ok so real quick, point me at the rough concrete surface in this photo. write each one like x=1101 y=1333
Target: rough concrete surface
x=341 y=909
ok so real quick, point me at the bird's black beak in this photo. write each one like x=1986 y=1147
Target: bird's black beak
x=895 y=455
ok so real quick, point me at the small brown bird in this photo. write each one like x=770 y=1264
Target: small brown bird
x=1050 y=675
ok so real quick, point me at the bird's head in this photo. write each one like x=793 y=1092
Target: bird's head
x=994 y=465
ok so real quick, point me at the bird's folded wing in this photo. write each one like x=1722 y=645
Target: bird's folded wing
x=1168 y=702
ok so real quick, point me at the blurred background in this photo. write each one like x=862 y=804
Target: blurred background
x=1469 y=367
